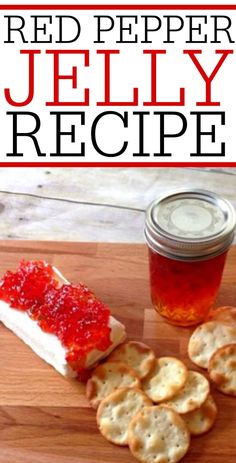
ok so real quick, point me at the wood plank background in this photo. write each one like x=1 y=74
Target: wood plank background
x=93 y=204
x=45 y=418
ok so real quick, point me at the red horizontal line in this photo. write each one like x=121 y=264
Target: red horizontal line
x=117 y=164
x=117 y=7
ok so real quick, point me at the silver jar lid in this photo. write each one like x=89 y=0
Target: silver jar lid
x=190 y=224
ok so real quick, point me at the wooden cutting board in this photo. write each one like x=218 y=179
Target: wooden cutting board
x=44 y=417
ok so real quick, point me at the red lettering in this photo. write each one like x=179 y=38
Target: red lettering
x=30 y=96
x=208 y=80
x=107 y=80
x=154 y=101
x=73 y=77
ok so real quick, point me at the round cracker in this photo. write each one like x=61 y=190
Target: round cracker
x=166 y=379
x=222 y=369
x=116 y=411
x=136 y=355
x=202 y=419
x=106 y=378
x=226 y=314
x=158 y=434
x=192 y=395
x=207 y=338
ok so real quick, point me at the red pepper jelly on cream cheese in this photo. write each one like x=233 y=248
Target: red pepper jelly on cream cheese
x=71 y=312
x=25 y=289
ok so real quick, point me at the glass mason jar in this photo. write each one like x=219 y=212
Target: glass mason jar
x=188 y=233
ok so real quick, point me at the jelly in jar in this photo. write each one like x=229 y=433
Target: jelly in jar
x=188 y=233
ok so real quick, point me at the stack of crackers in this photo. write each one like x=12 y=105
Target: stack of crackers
x=153 y=405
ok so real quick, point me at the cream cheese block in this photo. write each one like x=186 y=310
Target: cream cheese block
x=47 y=345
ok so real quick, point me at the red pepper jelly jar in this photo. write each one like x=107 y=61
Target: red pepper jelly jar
x=188 y=233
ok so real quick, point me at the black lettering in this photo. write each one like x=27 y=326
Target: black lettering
x=43 y=28
x=141 y=115
x=163 y=133
x=148 y=28
x=210 y=133
x=128 y=28
x=170 y=28
x=196 y=28
x=62 y=20
x=94 y=128
x=71 y=133
x=103 y=29
x=11 y=28
x=31 y=134
x=225 y=29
